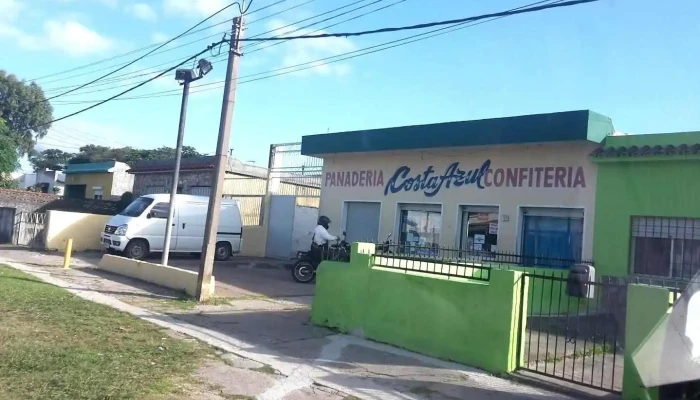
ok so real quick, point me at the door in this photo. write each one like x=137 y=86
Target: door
x=7 y=223
x=75 y=191
x=362 y=221
x=153 y=229
x=280 y=227
x=190 y=226
x=552 y=238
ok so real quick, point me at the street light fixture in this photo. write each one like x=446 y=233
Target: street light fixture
x=185 y=77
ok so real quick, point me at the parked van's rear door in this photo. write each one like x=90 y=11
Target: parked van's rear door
x=190 y=228
x=230 y=226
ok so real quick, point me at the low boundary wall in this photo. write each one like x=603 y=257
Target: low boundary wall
x=170 y=277
x=467 y=321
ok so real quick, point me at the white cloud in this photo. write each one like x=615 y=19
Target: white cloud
x=9 y=9
x=190 y=7
x=69 y=37
x=306 y=50
x=75 y=39
x=142 y=11
x=159 y=37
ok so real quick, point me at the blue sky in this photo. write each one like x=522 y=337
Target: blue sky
x=632 y=60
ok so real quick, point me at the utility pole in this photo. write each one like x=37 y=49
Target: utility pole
x=222 y=145
x=176 y=171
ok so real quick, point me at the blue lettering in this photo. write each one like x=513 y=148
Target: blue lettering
x=431 y=184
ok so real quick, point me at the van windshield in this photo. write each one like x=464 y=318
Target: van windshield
x=137 y=207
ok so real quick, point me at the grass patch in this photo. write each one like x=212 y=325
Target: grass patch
x=187 y=302
x=265 y=369
x=594 y=350
x=55 y=346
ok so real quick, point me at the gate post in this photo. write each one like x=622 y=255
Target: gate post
x=646 y=305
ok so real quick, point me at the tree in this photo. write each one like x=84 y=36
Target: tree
x=128 y=155
x=25 y=110
x=53 y=159
x=9 y=158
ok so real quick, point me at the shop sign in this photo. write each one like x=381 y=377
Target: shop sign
x=431 y=182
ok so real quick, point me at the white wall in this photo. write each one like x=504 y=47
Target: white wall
x=554 y=192
x=305 y=219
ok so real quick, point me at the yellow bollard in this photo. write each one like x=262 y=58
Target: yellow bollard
x=66 y=257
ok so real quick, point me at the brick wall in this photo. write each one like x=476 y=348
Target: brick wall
x=26 y=201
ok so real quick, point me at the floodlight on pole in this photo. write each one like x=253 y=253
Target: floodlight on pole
x=185 y=77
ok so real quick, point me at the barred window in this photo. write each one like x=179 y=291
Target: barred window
x=668 y=247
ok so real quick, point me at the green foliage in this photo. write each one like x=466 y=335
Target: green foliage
x=129 y=155
x=23 y=107
x=9 y=159
x=53 y=159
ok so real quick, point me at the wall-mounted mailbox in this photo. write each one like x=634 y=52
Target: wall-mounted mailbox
x=579 y=283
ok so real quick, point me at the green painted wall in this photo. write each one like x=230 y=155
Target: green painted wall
x=448 y=319
x=646 y=306
x=664 y=189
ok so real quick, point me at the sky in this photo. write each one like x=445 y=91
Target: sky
x=632 y=60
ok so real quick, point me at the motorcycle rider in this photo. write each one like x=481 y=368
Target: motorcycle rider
x=319 y=242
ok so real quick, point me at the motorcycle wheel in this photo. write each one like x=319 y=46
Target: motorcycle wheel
x=303 y=272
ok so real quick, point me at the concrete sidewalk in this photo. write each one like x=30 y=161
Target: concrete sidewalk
x=271 y=351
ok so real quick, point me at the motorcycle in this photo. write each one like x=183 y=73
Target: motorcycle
x=304 y=269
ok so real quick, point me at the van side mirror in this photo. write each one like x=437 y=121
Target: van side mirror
x=149 y=215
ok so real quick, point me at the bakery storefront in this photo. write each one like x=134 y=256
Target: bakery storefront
x=520 y=185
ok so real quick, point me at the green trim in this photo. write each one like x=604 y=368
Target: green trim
x=569 y=126
x=678 y=157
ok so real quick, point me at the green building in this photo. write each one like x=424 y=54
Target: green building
x=647 y=218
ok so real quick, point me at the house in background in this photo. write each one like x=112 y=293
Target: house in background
x=106 y=180
x=243 y=182
x=49 y=181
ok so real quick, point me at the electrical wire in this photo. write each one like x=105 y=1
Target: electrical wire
x=149 y=46
x=425 y=25
x=339 y=57
x=211 y=46
x=224 y=59
x=143 y=56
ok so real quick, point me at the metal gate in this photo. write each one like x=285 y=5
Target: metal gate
x=575 y=339
x=29 y=229
x=7 y=221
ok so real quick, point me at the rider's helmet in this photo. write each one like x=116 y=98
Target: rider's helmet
x=324 y=221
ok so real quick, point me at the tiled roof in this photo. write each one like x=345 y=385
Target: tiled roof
x=646 y=151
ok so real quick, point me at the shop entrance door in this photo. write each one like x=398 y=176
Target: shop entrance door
x=362 y=221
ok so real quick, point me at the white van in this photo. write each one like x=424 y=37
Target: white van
x=140 y=228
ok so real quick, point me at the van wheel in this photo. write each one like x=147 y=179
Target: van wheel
x=136 y=249
x=223 y=251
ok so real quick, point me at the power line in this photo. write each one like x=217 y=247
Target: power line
x=315 y=63
x=135 y=74
x=260 y=48
x=211 y=46
x=149 y=46
x=306 y=19
x=425 y=25
x=143 y=56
